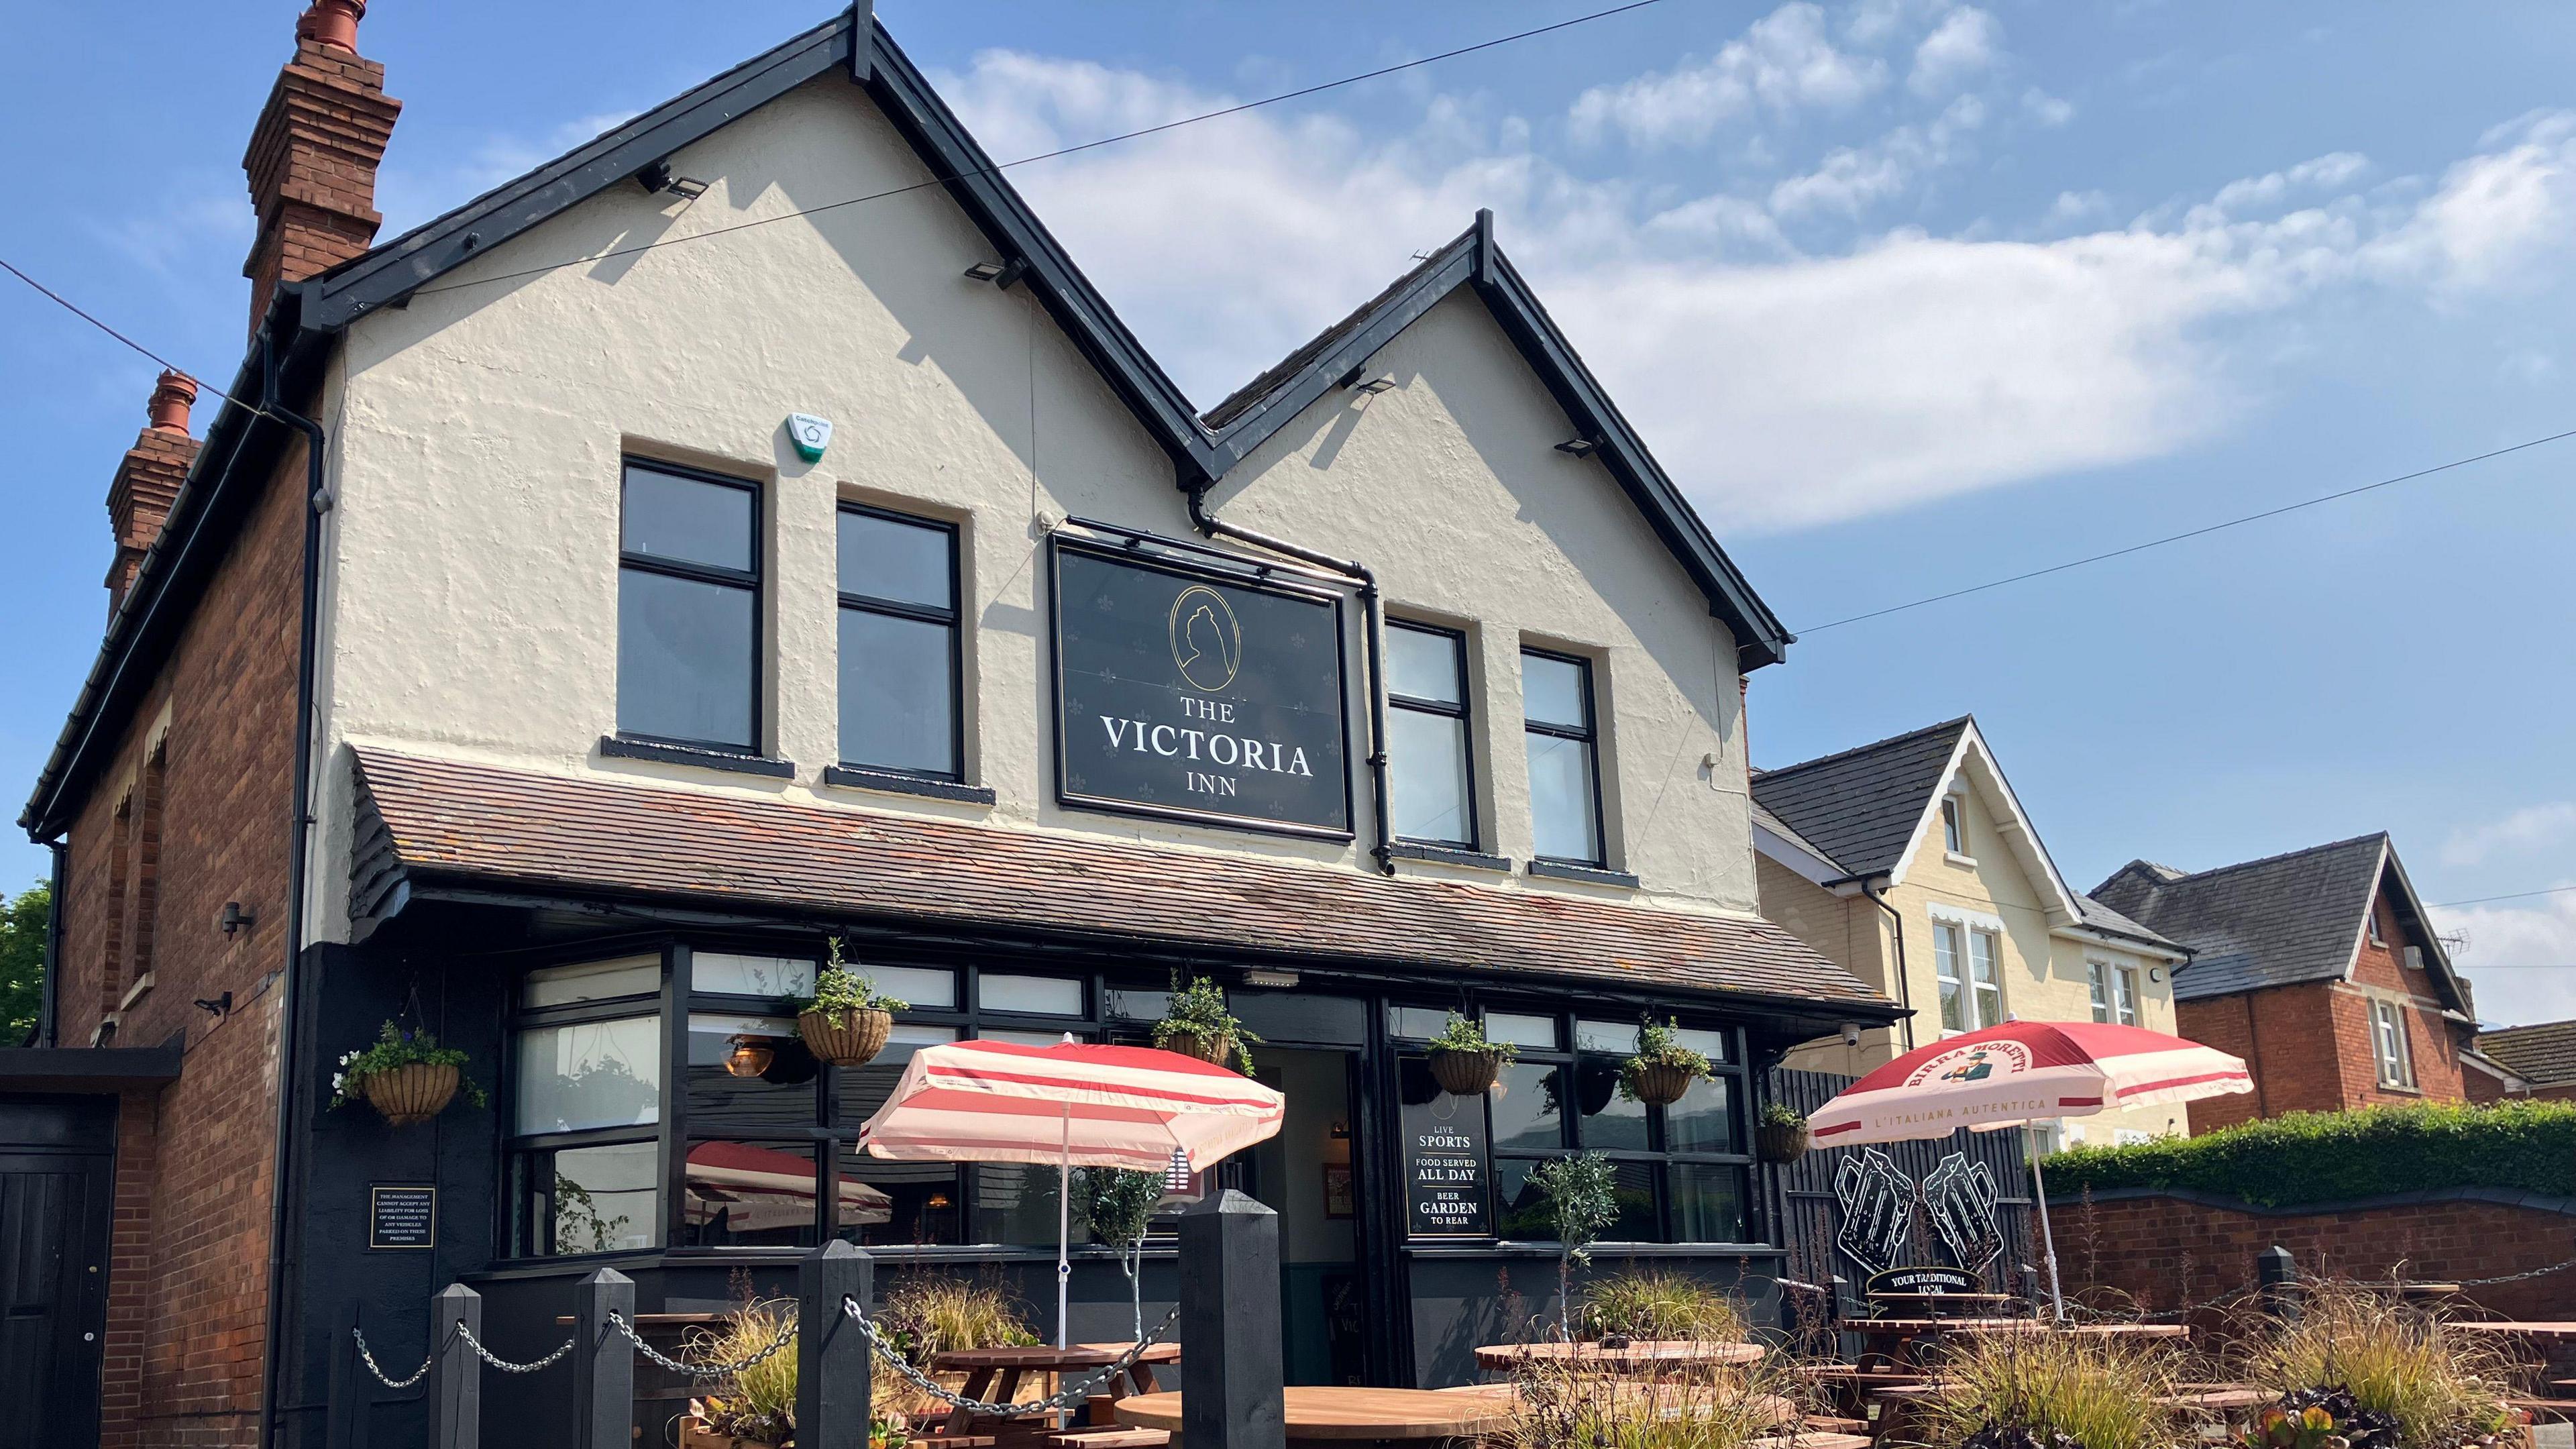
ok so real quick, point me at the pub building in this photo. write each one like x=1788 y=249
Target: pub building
x=587 y=605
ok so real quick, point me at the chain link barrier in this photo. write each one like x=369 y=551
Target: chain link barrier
x=1065 y=1397
x=786 y=1336
x=369 y=1359
x=504 y=1365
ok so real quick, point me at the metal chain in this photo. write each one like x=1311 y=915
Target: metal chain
x=2516 y=1277
x=786 y=1336
x=504 y=1365
x=1064 y=1397
x=381 y=1377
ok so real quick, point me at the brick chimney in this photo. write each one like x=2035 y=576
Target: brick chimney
x=312 y=158
x=138 y=502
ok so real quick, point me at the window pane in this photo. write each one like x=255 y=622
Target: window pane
x=1561 y=816
x=1129 y=1005
x=898 y=1202
x=1427 y=768
x=1416 y=1023
x=1981 y=956
x=1519 y=1212
x=684 y=518
x=1945 y=952
x=684 y=659
x=1606 y=1036
x=1015 y=1203
x=886 y=559
x=920 y=988
x=779 y=1102
x=591 y=1199
x=1704 y=1119
x=1610 y=1122
x=1708 y=1203
x=750 y=975
x=865 y=1089
x=592 y=981
x=1950 y=834
x=2094 y=988
x=1536 y=1032
x=595 y=1074
x=1039 y=995
x=1710 y=1044
x=1524 y=1214
x=1552 y=692
x=898 y=694
x=1529 y=1108
x=1424 y=664
x=745 y=1194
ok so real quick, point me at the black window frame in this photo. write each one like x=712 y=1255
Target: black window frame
x=749 y=581
x=951 y=618
x=1463 y=711
x=1589 y=735
x=518 y=1148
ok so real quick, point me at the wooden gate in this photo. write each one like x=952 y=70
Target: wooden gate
x=57 y=1172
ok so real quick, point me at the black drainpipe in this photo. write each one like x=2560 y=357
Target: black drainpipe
x=290 y=1068
x=1904 y=988
x=1373 y=646
x=43 y=1035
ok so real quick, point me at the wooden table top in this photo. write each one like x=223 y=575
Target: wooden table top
x=1323 y=1412
x=2094 y=1330
x=1812 y=1439
x=1915 y=1299
x=2527 y=1330
x=1931 y=1325
x=1045 y=1357
x=2227 y=1398
x=1638 y=1354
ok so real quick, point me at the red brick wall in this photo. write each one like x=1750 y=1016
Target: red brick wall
x=2167 y=1252
x=188 y=1295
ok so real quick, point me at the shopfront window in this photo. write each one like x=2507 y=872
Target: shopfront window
x=586 y=1071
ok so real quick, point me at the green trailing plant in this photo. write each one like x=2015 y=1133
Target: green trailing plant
x=396 y=1047
x=837 y=988
x=2098 y=1392
x=1580 y=1196
x=1781 y=1114
x=1458 y=1034
x=2438 y=1386
x=2309 y=1157
x=577 y=1216
x=1198 y=1009
x=1119 y=1205
x=1653 y=1303
x=1659 y=1046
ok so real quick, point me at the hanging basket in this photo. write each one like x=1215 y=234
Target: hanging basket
x=1466 y=1074
x=410 y=1094
x=1780 y=1141
x=850 y=1037
x=1216 y=1049
x=1657 y=1084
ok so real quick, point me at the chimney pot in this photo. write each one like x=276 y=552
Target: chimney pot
x=172 y=397
x=333 y=23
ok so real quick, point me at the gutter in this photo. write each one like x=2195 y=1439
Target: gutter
x=43 y=1035
x=1904 y=987
x=1373 y=627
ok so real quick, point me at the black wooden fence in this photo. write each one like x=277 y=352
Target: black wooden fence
x=1962 y=1201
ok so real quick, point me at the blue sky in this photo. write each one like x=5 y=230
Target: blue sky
x=1909 y=294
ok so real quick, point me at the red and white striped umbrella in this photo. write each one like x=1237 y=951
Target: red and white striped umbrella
x=2023 y=1072
x=1131 y=1107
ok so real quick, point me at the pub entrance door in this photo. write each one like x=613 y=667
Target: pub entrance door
x=57 y=1175
x=1307 y=1174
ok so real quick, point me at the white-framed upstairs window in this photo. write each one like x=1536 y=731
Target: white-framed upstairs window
x=1986 y=978
x=2097 y=985
x=2114 y=990
x=1967 y=963
x=2388 y=1043
x=1954 y=829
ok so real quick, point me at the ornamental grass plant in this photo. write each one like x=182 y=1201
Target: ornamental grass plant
x=928 y=1314
x=2444 y=1388
x=1557 y=1407
x=1656 y=1303
x=2103 y=1393
x=758 y=1403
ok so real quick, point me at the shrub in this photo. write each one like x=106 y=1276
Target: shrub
x=931 y=1313
x=838 y=988
x=1652 y=1303
x=1199 y=1009
x=1458 y=1034
x=2442 y=1387
x=2100 y=1392
x=760 y=1402
x=1558 y=1408
x=1659 y=1044
x=2312 y=1157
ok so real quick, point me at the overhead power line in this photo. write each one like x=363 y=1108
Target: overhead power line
x=2514 y=896
x=166 y=364
x=1234 y=110
x=2192 y=533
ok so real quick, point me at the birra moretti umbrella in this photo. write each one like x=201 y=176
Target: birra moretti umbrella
x=1069 y=1105
x=2019 y=1073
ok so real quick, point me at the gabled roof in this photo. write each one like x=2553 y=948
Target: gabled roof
x=1864 y=806
x=305 y=319
x=2543 y=1054
x=2284 y=919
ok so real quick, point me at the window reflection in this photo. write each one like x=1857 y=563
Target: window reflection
x=744 y=1194
x=591 y=1199
x=590 y=1074
x=1704 y=1119
x=1529 y=1110
x=1611 y=1122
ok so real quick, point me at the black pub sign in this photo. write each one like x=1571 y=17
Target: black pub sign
x=1198 y=694
x=1444 y=1158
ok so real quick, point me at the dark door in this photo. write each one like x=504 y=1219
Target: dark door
x=57 y=1171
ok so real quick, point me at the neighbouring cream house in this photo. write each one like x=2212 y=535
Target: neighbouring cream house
x=1911 y=863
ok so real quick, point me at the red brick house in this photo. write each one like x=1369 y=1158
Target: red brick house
x=2319 y=968
x=2538 y=1060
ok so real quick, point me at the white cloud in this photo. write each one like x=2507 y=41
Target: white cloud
x=2257 y=192
x=2531 y=828
x=1785 y=62
x=2046 y=109
x=2530 y=952
x=1782 y=387
x=409 y=197
x=1961 y=48
x=2072 y=207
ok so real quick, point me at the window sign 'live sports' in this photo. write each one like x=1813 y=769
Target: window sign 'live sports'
x=1198 y=695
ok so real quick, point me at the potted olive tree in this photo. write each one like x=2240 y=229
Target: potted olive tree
x=1119 y=1205
x=847 y=1020
x=1197 y=1024
x=1462 y=1061
x=1581 y=1196
x=406 y=1075
x=1663 y=1067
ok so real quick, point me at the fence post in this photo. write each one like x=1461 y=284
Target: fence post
x=456 y=1374
x=603 y=1362
x=832 y=1367
x=350 y=1392
x=1233 y=1372
x=2276 y=1277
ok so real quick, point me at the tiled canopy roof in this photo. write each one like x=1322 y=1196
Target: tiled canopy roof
x=2543 y=1054
x=424 y=822
x=2270 y=922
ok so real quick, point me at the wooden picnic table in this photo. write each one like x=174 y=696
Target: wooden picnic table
x=2088 y=1330
x=983 y=1367
x=1932 y=1305
x=2557 y=1330
x=1326 y=1415
x=1636 y=1356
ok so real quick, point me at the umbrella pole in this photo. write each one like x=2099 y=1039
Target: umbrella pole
x=2047 y=1239
x=1064 y=1224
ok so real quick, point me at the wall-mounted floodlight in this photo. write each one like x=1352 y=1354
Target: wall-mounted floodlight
x=1000 y=274
x=659 y=177
x=1578 y=447
x=1358 y=380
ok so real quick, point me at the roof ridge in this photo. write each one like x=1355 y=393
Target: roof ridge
x=1242 y=401
x=2380 y=835
x=1965 y=719
x=2526 y=1026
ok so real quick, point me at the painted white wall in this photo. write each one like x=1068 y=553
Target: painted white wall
x=471 y=596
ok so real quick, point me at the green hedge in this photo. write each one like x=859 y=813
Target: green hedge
x=2311 y=1157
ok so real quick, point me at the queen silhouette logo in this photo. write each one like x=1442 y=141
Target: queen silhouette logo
x=1207 y=642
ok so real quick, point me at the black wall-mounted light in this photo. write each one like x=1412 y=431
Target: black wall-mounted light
x=235 y=918
x=1578 y=447
x=1358 y=380
x=659 y=177
x=1004 y=275
x=216 y=1005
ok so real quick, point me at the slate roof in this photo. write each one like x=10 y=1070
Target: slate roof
x=2543 y=1054
x=2270 y=922
x=2110 y=922
x=1777 y=826
x=429 y=825
x=1859 y=808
